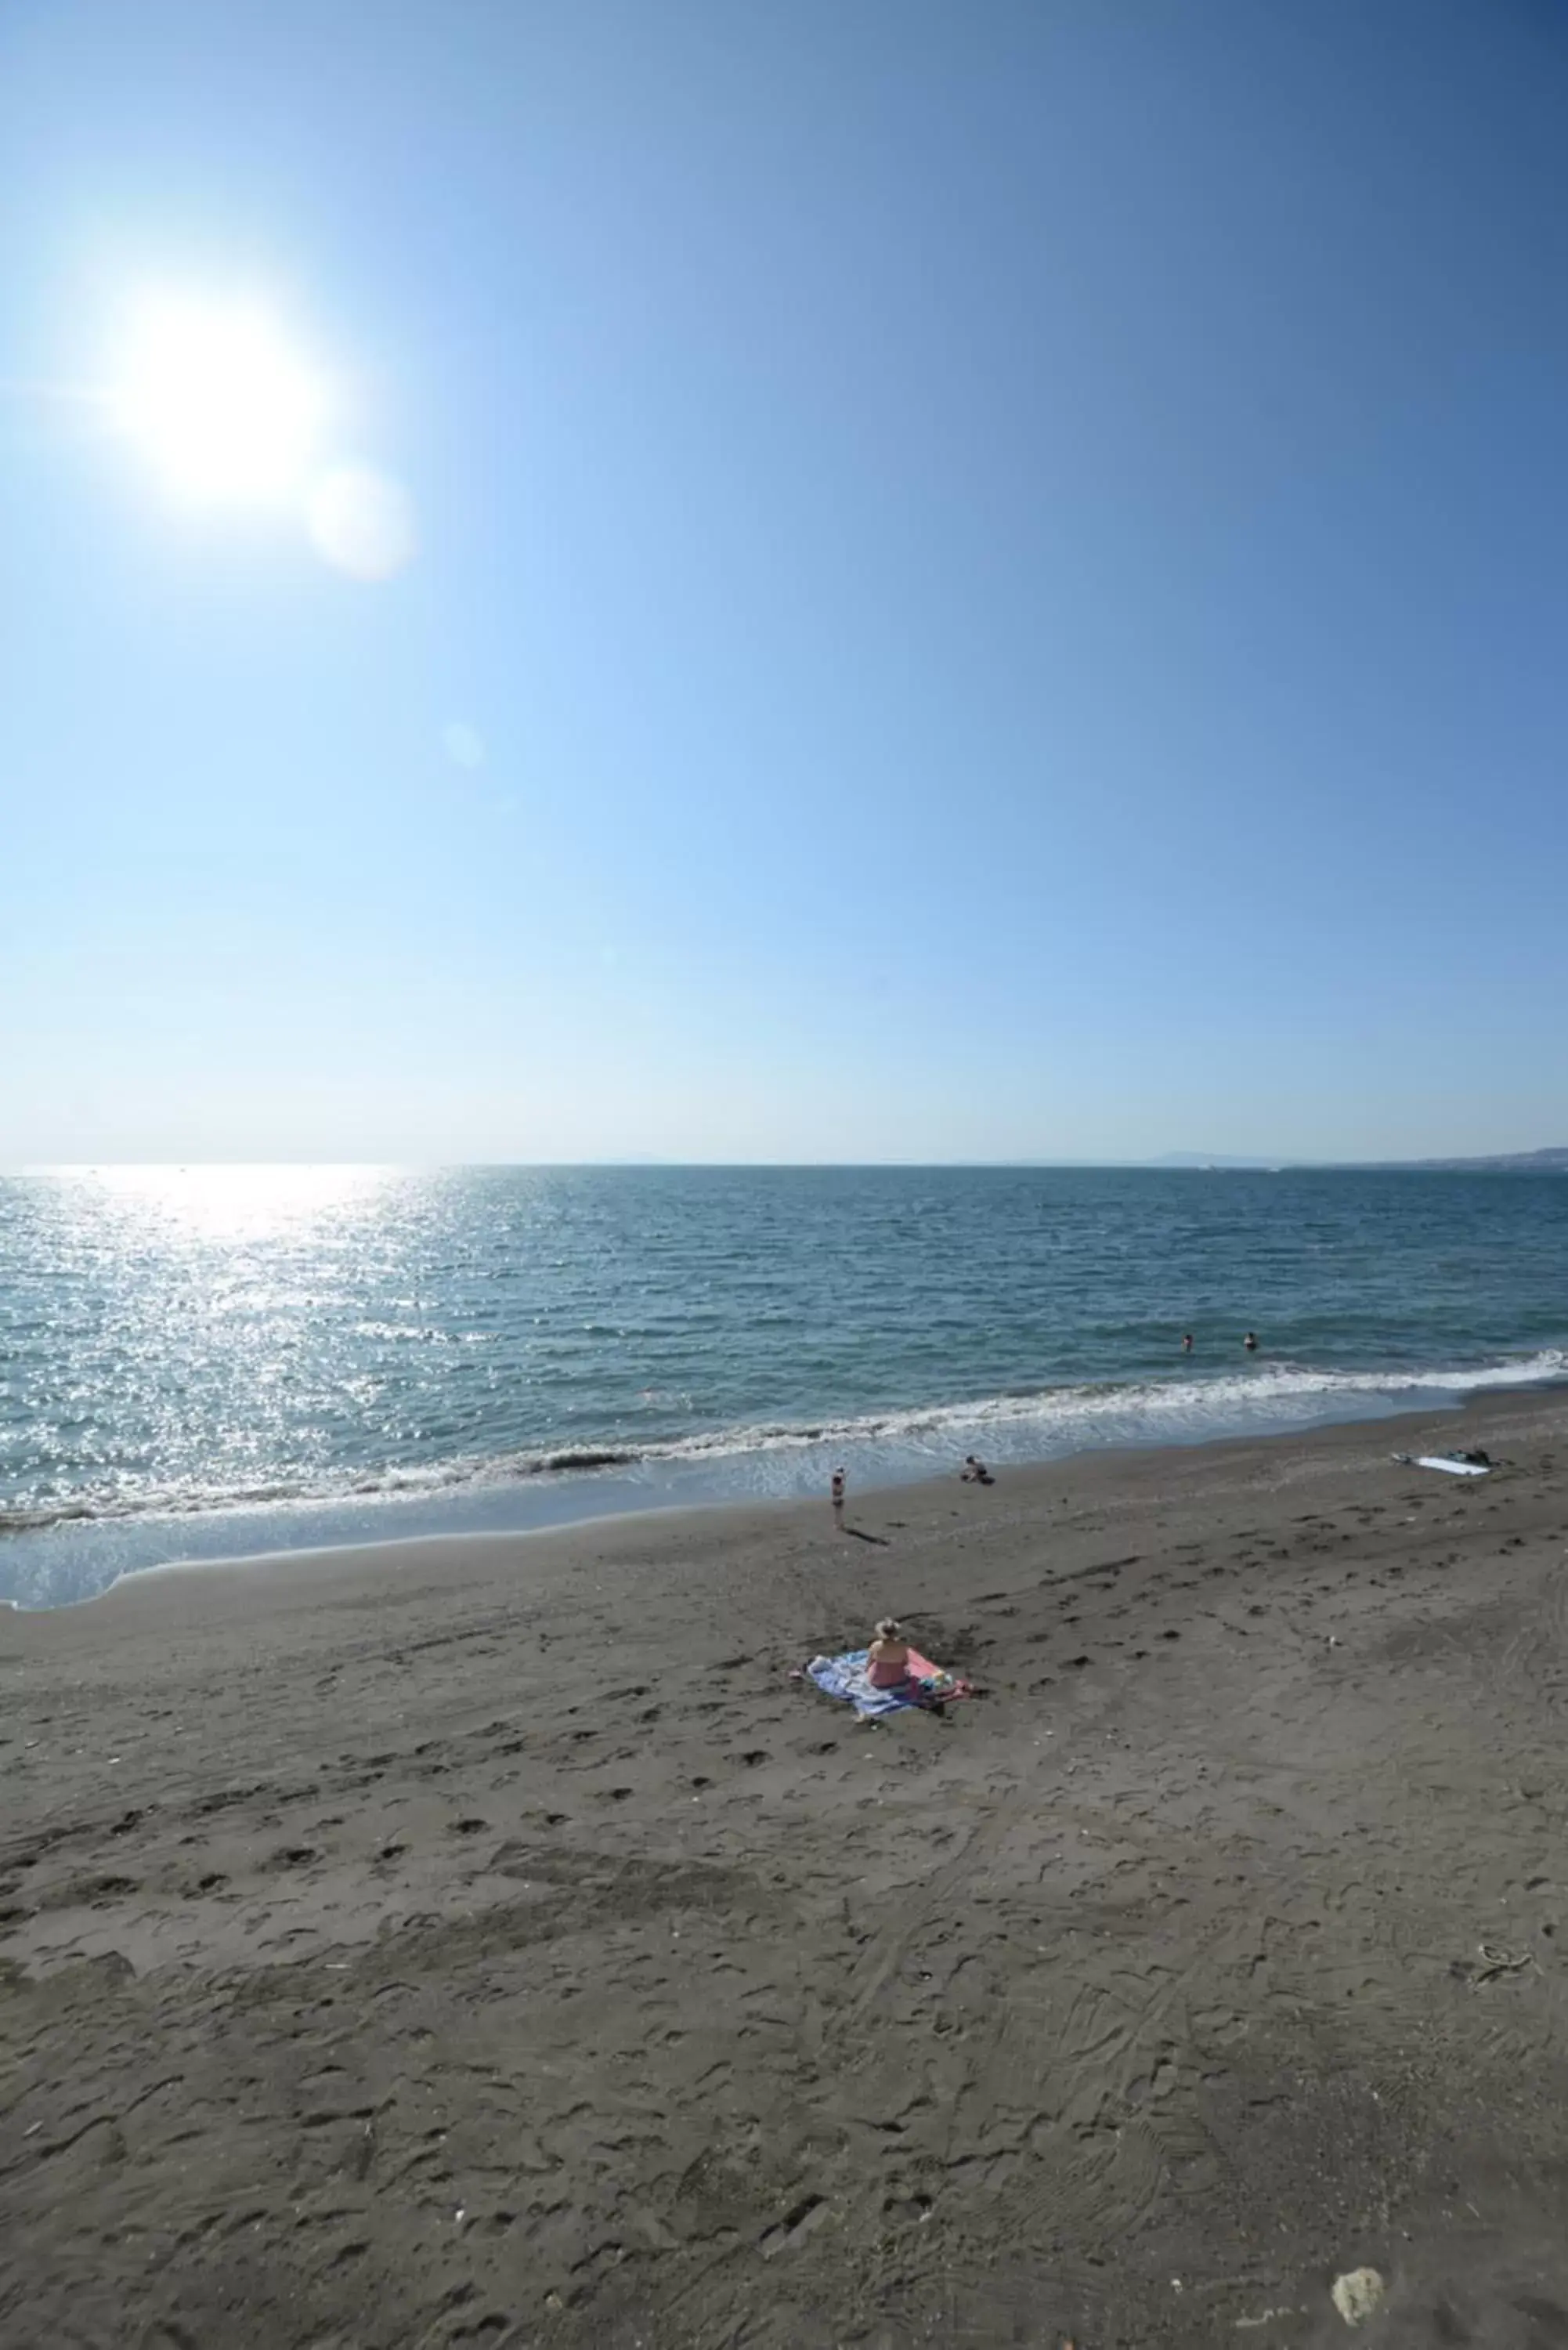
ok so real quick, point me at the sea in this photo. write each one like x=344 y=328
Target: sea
x=209 y=1362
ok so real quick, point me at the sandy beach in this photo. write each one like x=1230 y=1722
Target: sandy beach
x=486 y=1943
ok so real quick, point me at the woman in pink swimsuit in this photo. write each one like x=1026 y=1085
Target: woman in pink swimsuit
x=887 y=1659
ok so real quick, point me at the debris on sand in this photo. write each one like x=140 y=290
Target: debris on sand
x=1494 y=1964
x=1358 y=2295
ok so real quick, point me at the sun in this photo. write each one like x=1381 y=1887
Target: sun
x=218 y=399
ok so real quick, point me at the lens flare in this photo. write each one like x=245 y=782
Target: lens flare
x=362 y=523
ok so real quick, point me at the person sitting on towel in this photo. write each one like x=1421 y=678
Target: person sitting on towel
x=887 y=1658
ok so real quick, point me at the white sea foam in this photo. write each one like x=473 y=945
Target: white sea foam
x=779 y=1456
x=1251 y=1393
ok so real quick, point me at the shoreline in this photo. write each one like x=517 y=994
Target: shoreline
x=493 y=1945
x=443 y=1514
x=301 y=1576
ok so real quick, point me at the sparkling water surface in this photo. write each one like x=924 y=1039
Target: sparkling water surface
x=195 y=1362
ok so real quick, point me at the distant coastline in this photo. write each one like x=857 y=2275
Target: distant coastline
x=1552 y=1161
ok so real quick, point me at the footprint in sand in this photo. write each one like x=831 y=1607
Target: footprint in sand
x=95 y=1890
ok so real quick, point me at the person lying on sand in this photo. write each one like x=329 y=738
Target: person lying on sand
x=975 y=1472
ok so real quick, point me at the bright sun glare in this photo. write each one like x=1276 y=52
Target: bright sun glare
x=219 y=400
x=235 y=1203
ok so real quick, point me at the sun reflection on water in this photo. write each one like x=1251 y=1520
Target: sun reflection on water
x=236 y=1204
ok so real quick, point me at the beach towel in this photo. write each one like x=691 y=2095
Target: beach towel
x=845 y=1677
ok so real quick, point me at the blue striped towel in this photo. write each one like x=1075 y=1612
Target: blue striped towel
x=845 y=1677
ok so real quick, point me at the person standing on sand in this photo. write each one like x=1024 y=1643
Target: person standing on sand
x=836 y=1490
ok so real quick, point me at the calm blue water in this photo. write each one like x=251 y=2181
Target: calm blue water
x=204 y=1362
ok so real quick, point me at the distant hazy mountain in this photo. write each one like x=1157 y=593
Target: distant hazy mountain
x=1207 y=1158
x=1553 y=1161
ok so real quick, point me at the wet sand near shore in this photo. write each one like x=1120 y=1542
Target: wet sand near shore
x=486 y=1943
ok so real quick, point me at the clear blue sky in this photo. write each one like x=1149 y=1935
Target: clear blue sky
x=1010 y=564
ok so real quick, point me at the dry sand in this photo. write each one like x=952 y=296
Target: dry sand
x=486 y=1943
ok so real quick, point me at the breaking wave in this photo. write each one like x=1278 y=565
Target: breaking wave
x=1041 y=1425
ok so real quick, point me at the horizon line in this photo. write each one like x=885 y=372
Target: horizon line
x=1165 y=1163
